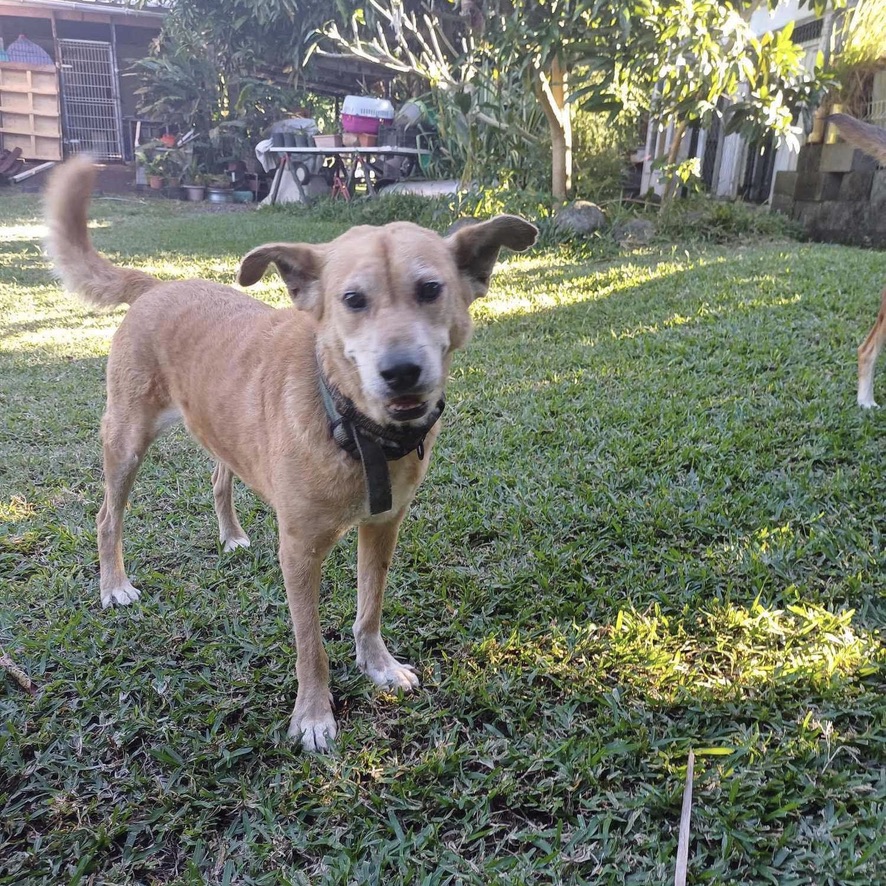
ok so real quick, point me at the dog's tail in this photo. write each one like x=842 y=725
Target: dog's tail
x=869 y=138
x=76 y=262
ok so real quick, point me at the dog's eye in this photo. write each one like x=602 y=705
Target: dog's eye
x=429 y=291
x=355 y=301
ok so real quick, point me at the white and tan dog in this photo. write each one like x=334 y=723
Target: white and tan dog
x=327 y=409
x=872 y=140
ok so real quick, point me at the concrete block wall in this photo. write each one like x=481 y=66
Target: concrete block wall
x=837 y=193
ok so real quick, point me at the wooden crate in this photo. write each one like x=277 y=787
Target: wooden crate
x=30 y=118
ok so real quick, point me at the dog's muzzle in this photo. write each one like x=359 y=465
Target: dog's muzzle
x=374 y=444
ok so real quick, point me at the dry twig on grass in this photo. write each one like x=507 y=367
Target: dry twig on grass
x=683 y=839
x=16 y=672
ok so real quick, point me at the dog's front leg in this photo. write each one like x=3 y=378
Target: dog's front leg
x=376 y=542
x=301 y=559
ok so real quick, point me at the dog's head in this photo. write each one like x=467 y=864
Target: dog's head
x=391 y=304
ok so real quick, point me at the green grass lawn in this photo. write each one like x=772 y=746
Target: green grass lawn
x=653 y=524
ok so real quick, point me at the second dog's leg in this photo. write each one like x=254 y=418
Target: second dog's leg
x=301 y=559
x=376 y=542
x=867 y=356
x=123 y=448
x=230 y=532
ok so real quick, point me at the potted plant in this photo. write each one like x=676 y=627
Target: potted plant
x=159 y=163
x=219 y=188
x=155 y=170
x=194 y=182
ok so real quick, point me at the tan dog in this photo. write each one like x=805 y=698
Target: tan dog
x=324 y=409
x=872 y=140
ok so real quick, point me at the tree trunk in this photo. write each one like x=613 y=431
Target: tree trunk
x=551 y=88
x=673 y=153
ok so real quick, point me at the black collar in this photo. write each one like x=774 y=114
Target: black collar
x=374 y=444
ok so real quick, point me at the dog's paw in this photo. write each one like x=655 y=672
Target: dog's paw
x=314 y=732
x=235 y=541
x=122 y=595
x=384 y=670
x=867 y=403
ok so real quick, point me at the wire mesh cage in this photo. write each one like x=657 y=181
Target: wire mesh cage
x=90 y=99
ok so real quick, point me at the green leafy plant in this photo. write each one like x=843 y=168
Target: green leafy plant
x=229 y=68
x=158 y=159
x=858 y=52
x=706 y=219
x=194 y=173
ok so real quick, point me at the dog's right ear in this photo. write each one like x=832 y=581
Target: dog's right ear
x=299 y=264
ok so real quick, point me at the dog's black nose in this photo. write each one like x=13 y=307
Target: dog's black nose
x=400 y=374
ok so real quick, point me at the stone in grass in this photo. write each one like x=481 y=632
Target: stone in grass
x=580 y=217
x=634 y=232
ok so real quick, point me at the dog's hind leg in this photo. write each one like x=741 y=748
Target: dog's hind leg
x=124 y=445
x=376 y=542
x=230 y=532
x=867 y=356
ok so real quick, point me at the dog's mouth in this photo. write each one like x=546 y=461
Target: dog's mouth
x=406 y=408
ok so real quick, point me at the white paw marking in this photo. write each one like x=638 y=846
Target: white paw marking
x=867 y=403
x=122 y=595
x=391 y=673
x=236 y=541
x=315 y=733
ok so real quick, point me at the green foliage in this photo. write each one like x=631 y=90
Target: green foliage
x=179 y=85
x=602 y=144
x=491 y=130
x=217 y=68
x=487 y=66
x=719 y=221
x=436 y=213
x=652 y=523
x=859 y=51
x=701 y=219
x=158 y=159
x=687 y=63
x=860 y=37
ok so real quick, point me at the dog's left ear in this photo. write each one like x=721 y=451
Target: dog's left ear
x=475 y=247
x=299 y=264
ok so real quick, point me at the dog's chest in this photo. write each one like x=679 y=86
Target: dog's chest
x=406 y=475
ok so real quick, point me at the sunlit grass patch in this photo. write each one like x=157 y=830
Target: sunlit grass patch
x=727 y=652
x=16 y=509
x=525 y=285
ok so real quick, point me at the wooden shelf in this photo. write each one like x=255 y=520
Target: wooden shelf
x=5 y=109
x=27 y=66
x=23 y=90
x=29 y=110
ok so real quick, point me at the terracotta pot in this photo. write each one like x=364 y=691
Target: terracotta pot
x=156 y=182
x=367 y=139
